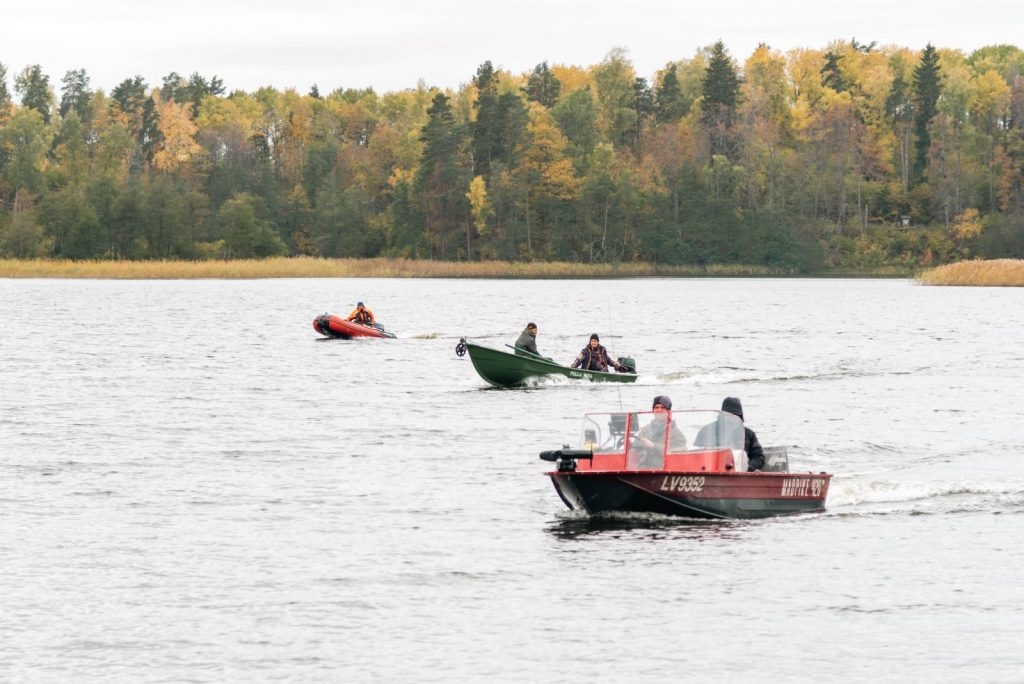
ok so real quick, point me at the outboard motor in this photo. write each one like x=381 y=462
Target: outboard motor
x=627 y=364
x=565 y=458
x=776 y=460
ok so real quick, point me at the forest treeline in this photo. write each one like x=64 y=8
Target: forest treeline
x=852 y=156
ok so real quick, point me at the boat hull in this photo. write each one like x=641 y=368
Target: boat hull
x=336 y=326
x=504 y=369
x=693 y=494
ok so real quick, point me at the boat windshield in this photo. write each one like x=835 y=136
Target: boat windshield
x=646 y=436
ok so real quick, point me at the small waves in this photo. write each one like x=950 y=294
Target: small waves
x=730 y=375
x=936 y=497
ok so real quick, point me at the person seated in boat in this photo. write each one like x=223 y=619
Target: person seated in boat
x=527 y=340
x=361 y=315
x=649 y=442
x=595 y=357
x=755 y=453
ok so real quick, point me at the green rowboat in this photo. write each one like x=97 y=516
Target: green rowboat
x=505 y=369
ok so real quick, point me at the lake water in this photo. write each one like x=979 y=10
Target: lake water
x=196 y=487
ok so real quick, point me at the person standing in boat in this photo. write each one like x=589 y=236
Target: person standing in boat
x=595 y=357
x=527 y=340
x=362 y=315
x=755 y=454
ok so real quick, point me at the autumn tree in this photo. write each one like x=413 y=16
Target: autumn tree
x=177 y=89
x=23 y=146
x=550 y=183
x=499 y=130
x=138 y=111
x=615 y=82
x=439 y=180
x=22 y=237
x=927 y=88
x=721 y=89
x=479 y=208
x=75 y=94
x=669 y=106
x=577 y=117
x=899 y=109
x=34 y=88
x=542 y=86
x=643 y=106
x=610 y=199
x=765 y=126
x=246 y=233
x=178 y=143
x=5 y=96
x=832 y=74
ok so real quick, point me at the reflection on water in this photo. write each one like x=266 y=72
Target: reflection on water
x=639 y=526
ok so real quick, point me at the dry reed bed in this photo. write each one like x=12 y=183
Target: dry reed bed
x=992 y=273
x=309 y=267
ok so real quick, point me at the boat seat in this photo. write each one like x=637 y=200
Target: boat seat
x=708 y=460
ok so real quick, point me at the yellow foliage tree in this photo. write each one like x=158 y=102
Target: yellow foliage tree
x=479 y=205
x=967 y=225
x=991 y=102
x=178 y=136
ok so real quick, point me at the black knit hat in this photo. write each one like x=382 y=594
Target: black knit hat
x=594 y=336
x=732 y=405
x=663 y=400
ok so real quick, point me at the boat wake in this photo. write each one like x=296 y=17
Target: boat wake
x=727 y=375
x=935 y=497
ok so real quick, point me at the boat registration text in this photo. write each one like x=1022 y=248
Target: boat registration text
x=682 y=483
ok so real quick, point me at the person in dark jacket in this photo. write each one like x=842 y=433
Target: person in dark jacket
x=595 y=357
x=755 y=454
x=528 y=339
x=652 y=436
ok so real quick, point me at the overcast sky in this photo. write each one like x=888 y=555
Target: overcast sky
x=392 y=45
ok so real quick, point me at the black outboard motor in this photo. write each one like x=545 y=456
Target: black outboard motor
x=565 y=458
x=627 y=365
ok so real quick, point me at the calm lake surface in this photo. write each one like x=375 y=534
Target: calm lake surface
x=196 y=487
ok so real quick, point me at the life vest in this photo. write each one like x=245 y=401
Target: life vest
x=362 y=316
x=594 y=359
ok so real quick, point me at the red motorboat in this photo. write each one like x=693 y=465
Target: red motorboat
x=336 y=326
x=694 y=467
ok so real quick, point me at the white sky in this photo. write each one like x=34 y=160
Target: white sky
x=392 y=45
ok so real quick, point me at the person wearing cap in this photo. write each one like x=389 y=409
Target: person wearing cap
x=361 y=315
x=595 y=357
x=650 y=439
x=755 y=454
x=527 y=340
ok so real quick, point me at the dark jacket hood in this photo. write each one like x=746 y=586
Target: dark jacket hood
x=732 y=405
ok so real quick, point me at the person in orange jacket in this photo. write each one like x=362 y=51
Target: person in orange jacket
x=362 y=315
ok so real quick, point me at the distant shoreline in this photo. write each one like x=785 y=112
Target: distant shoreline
x=311 y=267
x=997 y=272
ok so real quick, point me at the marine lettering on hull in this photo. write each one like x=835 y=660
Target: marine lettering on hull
x=801 y=486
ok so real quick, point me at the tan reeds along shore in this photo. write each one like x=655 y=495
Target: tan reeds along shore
x=992 y=273
x=996 y=272
x=310 y=267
